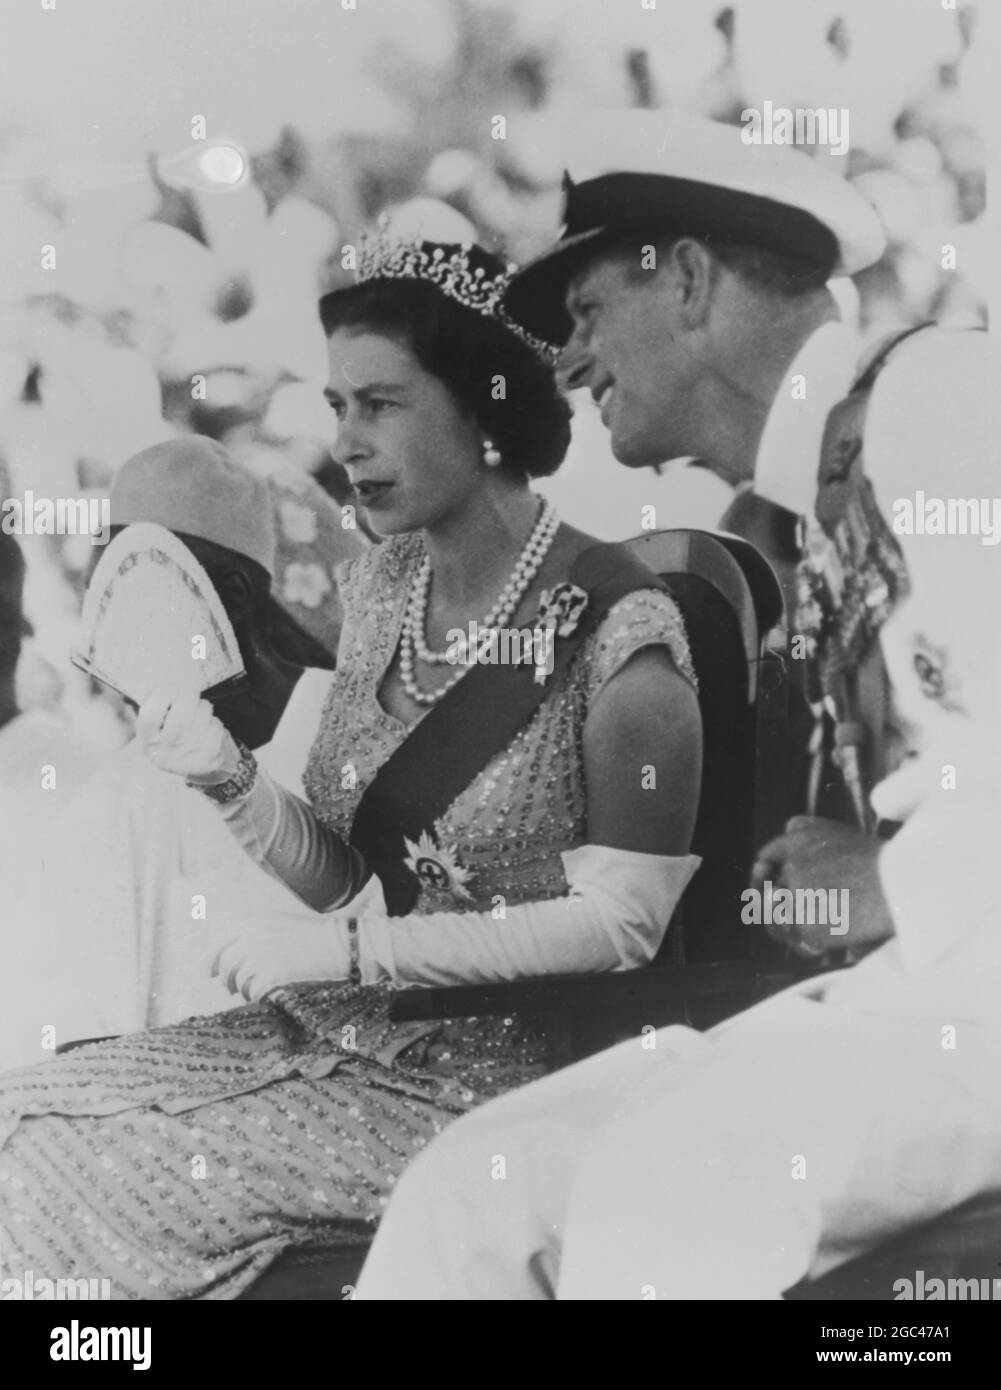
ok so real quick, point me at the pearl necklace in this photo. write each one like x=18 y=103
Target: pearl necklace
x=412 y=642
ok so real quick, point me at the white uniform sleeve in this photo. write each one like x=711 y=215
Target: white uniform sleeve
x=931 y=442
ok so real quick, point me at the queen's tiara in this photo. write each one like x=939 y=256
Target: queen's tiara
x=385 y=257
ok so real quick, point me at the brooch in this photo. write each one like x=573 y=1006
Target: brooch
x=436 y=867
x=560 y=611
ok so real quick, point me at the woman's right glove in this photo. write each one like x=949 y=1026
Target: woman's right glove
x=179 y=733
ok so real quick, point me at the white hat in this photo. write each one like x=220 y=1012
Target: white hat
x=650 y=172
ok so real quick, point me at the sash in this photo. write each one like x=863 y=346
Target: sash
x=474 y=721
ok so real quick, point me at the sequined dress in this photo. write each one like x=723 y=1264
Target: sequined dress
x=180 y=1162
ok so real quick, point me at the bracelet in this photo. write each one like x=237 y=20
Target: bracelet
x=354 y=952
x=235 y=787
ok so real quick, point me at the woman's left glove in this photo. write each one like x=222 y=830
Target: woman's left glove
x=179 y=733
x=273 y=952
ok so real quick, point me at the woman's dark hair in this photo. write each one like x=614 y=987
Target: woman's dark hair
x=473 y=355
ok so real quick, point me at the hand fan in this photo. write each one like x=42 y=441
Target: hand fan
x=151 y=617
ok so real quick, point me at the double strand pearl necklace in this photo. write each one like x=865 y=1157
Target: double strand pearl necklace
x=412 y=642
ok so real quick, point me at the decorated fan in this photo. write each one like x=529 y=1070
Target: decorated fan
x=151 y=617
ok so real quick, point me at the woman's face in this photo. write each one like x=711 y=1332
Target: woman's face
x=412 y=456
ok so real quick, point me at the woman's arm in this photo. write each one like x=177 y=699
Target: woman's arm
x=642 y=763
x=612 y=918
x=643 y=757
x=283 y=835
x=179 y=733
x=642 y=753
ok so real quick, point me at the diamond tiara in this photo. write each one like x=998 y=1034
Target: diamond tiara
x=381 y=257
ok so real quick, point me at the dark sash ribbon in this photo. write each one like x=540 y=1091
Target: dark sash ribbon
x=478 y=718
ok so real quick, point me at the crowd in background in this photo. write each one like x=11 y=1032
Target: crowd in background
x=178 y=304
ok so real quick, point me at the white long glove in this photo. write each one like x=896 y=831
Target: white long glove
x=614 y=917
x=179 y=732
x=284 y=836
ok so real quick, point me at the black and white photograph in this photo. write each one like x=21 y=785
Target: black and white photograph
x=500 y=664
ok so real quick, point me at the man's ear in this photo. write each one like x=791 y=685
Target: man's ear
x=695 y=275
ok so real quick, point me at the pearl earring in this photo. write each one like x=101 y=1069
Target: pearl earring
x=491 y=455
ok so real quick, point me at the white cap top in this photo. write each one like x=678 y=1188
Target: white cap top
x=644 y=173
x=680 y=145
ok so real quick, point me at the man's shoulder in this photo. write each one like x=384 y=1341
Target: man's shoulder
x=934 y=417
x=929 y=352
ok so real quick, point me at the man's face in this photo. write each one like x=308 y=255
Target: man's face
x=626 y=348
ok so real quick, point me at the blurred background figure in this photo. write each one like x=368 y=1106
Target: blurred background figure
x=122 y=899
x=43 y=761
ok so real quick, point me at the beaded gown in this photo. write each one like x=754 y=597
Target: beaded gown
x=180 y=1162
